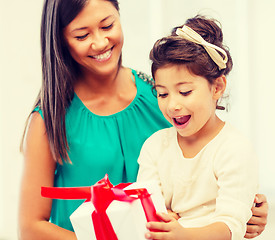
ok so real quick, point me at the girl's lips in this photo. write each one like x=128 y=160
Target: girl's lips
x=181 y=122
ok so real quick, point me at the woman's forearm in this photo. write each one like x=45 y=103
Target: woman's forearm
x=44 y=230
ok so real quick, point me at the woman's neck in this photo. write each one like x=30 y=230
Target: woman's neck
x=90 y=84
x=107 y=95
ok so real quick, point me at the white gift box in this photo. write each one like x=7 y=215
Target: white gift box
x=128 y=219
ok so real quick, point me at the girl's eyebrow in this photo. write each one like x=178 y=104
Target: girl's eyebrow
x=182 y=83
x=82 y=28
x=178 y=84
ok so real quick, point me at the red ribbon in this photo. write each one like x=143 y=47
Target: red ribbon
x=101 y=195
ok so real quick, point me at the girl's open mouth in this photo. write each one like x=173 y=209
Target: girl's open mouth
x=181 y=122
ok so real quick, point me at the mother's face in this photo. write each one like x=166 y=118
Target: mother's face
x=95 y=37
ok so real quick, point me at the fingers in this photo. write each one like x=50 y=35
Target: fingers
x=251 y=235
x=260 y=198
x=157 y=226
x=255 y=229
x=160 y=230
x=156 y=235
x=252 y=231
x=260 y=211
x=161 y=226
x=255 y=220
x=173 y=214
x=165 y=217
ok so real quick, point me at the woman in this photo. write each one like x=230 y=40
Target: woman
x=91 y=116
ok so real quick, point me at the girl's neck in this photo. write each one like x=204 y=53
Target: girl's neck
x=192 y=145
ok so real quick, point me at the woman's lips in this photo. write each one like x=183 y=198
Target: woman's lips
x=104 y=56
x=181 y=122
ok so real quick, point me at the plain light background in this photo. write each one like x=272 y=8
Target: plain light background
x=248 y=27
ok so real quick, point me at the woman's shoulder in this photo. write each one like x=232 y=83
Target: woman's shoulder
x=37 y=111
x=35 y=131
x=144 y=77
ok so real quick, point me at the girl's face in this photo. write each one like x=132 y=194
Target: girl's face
x=187 y=101
x=95 y=37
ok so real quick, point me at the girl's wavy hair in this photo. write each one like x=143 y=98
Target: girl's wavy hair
x=177 y=50
x=59 y=71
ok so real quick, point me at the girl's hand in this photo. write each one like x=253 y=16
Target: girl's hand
x=169 y=229
x=173 y=214
x=257 y=222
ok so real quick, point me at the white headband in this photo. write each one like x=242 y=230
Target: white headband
x=189 y=34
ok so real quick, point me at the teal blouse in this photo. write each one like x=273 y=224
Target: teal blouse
x=105 y=144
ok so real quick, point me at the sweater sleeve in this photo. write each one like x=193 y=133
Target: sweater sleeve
x=147 y=162
x=236 y=170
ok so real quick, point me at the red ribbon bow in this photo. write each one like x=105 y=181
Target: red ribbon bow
x=101 y=195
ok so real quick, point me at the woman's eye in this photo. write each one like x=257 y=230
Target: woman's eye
x=82 y=37
x=186 y=93
x=108 y=27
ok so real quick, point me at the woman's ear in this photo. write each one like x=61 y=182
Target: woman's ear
x=219 y=87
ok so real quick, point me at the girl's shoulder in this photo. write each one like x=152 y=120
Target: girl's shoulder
x=232 y=140
x=232 y=134
x=162 y=137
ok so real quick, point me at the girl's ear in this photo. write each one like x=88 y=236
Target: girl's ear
x=219 y=87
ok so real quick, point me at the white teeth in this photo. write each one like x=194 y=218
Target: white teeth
x=103 y=56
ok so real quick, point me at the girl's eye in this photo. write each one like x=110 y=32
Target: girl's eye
x=186 y=93
x=82 y=37
x=162 y=95
x=108 y=27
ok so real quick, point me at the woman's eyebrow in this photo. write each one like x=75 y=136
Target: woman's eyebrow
x=83 y=28
x=78 y=29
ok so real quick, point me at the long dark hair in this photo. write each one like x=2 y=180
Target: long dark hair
x=59 y=71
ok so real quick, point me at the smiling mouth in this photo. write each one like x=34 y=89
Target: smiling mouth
x=104 y=56
x=181 y=121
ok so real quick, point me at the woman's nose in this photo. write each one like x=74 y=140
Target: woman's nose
x=99 y=42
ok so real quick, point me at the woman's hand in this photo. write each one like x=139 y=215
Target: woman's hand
x=258 y=221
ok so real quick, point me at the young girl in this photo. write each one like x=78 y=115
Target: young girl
x=201 y=163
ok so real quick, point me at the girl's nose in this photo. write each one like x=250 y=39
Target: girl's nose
x=174 y=105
